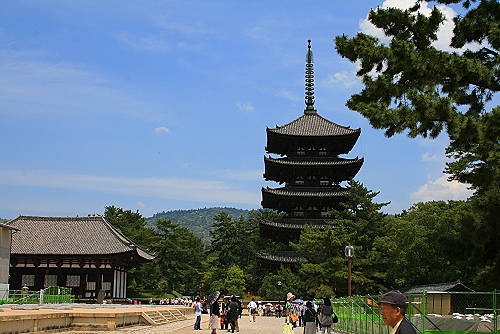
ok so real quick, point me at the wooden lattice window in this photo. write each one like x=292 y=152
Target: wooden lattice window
x=73 y=281
x=50 y=280
x=28 y=280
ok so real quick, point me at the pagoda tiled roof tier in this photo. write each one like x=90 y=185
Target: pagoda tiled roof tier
x=313 y=125
x=71 y=236
x=288 y=169
x=287 y=198
x=293 y=223
x=285 y=257
x=311 y=130
x=287 y=229
x=307 y=192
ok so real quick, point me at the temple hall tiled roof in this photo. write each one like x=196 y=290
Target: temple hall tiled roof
x=313 y=192
x=313 y=125
x=70 y=236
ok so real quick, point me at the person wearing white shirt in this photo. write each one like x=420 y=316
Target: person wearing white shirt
x=198 y=308
x=252 y=307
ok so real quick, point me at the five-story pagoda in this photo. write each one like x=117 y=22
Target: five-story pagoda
x=307 y=162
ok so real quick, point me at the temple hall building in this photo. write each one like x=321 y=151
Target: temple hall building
x=86 y=254
x=304 y=157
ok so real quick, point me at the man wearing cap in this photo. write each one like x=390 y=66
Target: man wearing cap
x=393 y=310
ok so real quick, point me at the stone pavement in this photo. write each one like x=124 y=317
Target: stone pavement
x=271 y=325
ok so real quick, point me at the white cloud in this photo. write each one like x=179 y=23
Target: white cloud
x=245 y=106
x=172 y=35
x=157 y=43
x=368 y=28
x=148 y=43
x=445 y=31
x=432 y=158
x=268 y=30
x=178 y=27
x=258 y=33
x=347 y=79
x=249 y=175
x=403 y=4
x=440 y=189
x=286 y=94
x=162 y=129
x=37 y=87
x=194 y=190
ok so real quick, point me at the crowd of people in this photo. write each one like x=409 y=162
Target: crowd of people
x=298 y=313
x=223 y=314
x=162 y=301
x=309 y=314
x=174 y=301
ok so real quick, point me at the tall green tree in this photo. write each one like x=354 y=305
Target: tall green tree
x=180 y=257
x=410 y=85
x=233 y=240
x=288 y=282
x=133 y=226
x=359 y=224
x=254 y=274
x=428 y=244
x=230 y=280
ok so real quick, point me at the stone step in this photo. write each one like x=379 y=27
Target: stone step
x=154 y=318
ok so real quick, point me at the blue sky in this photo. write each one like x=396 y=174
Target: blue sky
x=163 y=105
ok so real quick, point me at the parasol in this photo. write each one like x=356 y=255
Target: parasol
x=212 y=298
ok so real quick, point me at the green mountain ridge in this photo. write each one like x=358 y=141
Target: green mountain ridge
x=198 y=221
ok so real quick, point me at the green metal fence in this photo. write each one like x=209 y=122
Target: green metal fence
x=431 y=312
x=52 y=294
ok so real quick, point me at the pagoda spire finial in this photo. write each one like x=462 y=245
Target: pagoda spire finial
x=309 y=81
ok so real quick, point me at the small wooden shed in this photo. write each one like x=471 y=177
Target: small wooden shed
x=440 y=298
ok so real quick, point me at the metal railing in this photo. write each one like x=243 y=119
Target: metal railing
x=51 y=294
x=430 y=312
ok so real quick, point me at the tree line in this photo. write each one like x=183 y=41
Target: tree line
x=186 y=264
x=429 y=243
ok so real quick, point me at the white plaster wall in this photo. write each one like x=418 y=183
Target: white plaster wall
x=5 y=242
